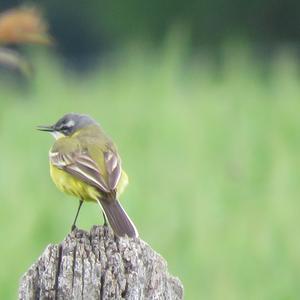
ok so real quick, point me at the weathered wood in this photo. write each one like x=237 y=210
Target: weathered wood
x=99 y=265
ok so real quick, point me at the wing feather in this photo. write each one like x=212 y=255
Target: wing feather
x=80 y=165
x=113 y=167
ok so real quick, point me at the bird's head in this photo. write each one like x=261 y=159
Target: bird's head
x=68 y=125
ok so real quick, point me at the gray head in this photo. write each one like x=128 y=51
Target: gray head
x=68 y=124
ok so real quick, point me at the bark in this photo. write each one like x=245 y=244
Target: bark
x=99 y=265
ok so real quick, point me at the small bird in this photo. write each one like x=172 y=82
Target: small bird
x=84 y=162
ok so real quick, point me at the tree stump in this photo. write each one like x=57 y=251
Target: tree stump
x=99 y=265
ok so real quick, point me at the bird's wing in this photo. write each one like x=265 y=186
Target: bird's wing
x=113 y=167
x=80 y=164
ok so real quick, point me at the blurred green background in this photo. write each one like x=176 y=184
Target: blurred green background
x=210 y=141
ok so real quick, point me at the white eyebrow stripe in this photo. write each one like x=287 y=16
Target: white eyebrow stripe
x=70 y=123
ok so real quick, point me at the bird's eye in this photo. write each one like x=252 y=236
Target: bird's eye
x=68 y=125
x=65 y=129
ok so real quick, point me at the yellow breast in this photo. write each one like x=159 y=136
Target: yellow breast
x=76 y=187
x=72 y=186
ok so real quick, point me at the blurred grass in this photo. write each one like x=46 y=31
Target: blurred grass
x=213 y=159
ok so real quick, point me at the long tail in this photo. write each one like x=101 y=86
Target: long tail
x=118 y=218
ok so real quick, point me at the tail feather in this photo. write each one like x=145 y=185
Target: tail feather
x=118 y=219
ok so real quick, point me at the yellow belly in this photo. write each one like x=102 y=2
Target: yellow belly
x=76 y=187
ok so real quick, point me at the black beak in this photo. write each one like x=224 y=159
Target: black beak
x=45 y=128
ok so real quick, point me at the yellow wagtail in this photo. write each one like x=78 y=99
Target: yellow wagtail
x=84 y=162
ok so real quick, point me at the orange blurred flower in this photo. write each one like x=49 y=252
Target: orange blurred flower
x=23 y=26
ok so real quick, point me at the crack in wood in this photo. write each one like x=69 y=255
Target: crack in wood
x=73 y=266
x=98 y=265
x=59 y=259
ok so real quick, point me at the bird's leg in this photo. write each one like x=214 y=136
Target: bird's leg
x=104 y=219
x=74 y=223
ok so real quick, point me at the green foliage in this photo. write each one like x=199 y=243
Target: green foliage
x=212 y=156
